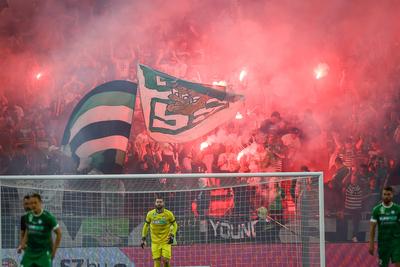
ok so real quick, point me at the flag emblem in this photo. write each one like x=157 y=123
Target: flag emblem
x=179 y=111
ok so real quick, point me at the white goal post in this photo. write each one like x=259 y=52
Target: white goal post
x=225 y=219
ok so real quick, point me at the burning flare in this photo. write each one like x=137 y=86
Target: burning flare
x=204 y=145
x=220 y=83
x=321 y=71
x=250 y=150
x=240 y=155
x=242 y=74
x=239 y=116
x=38 y=76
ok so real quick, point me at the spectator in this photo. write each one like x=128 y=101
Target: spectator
x=332 y=200
x=293 y=144
x=140 y=143
x=259 y=160
x=349 y=152
x=379 y=170
x=375 y=148
x=277 y=153
x=151 y=160
x=244 y=164
x=142 y=167
x=17 y=113
x=243 y=198
x=266 y=231
x=372 y=196
x=200 y=205
x=334 y=209
x=275 y=125
x=168 y=155
x=278 y=126
x=353 y=204
x=198 y=166
x=364 y=175
x=276 y=197
x=227 y=161
x=293 y=184
x=259 y=195
x=186 y=162
x=341 y=174
x=43 y=140
x=164 y=167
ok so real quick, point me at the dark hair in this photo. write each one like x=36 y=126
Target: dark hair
x=304 y=168
x=275 y=114
x=159 y=197
x=339 y=160
x=27 y=197
x=36 y=195
x=388 y=188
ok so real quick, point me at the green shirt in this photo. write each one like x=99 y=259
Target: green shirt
x=388 y=220
x=39 y=229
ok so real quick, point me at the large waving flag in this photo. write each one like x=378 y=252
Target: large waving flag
x=179 y=111
x=98 y=130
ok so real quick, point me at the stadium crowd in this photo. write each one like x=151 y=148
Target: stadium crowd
x=356 y=145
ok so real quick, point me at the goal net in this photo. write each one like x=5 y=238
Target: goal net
x=261 y=219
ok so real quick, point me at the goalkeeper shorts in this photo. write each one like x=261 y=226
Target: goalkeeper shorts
x=161 y=250
x=42 y=259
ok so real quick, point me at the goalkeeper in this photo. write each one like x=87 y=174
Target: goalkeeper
x=163 y=229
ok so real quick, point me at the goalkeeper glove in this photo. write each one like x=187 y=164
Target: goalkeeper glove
x=171 y=239
x=143 y=244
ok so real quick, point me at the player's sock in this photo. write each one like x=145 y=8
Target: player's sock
x=157 y=263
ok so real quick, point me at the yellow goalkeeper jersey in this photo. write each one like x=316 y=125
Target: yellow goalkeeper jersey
x=161 y=226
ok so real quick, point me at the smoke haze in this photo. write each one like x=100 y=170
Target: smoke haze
x=279 y=43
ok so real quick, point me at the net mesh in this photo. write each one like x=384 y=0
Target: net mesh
x=228 y=221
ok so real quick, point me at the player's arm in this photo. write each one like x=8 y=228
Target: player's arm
x=145 y=230
x=57 y=242
x=21 y=236
x=23 y=229
x=24 y=240
x=55 y=227
x=174 y=228
x=372 y=230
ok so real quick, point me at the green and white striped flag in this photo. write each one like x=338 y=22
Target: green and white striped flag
x=97 y=133
x=180 y=111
